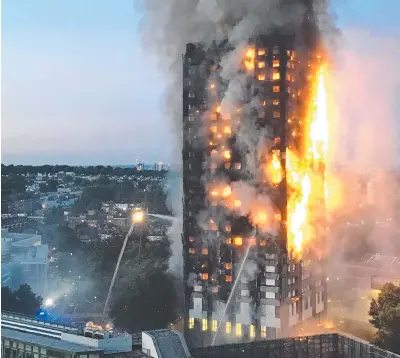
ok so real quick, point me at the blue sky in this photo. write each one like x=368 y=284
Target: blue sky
x=77 y=87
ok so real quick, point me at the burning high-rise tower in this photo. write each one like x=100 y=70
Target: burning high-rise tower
x=254 y=150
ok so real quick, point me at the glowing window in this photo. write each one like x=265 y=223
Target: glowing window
x=191 y=322
x=213 y=129
x=275 y=102
x=228 y=241
x=261 y=77
x=228 y=278
x=275 y=89
x=275 y=63
x=228 y=266
x=204 y=276
x=228 y=327
x=213 y=116
x=227 y=154
x=263 y=332
x=228 y=228
x=191 y=238
x=252 y=331
x=277 y=140
x=238 y=329
x=237 y=166
x=288 y=76
x=204 y=251
x=276 y=76
x=214 y=325
x=261 y=52
x=238 y=241
x=204 y=324
x=237 y=203
x=227 y=130
x=261 y=64
x=263 y=242
x=191 y=250
x=276 y=114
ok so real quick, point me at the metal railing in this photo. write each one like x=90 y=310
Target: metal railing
x=33 y=320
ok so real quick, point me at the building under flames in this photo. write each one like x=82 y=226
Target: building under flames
x=287 y=285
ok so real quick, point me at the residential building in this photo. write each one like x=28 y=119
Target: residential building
x=282 y=292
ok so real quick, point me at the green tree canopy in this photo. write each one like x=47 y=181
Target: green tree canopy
x=148 y=302
x=385 y=317
x=23 y=300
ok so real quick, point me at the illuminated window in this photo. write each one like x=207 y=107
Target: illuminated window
x=277 y=140
x=275 y=102
x=238 y=241
x=237 y=203
x=252 y=331
x=275 y=89
x=204 y=251
x=261 y=77
x=191 y=250
x=276 y=76
x=277 y=114
x=238 y=329
x=214 y=325
x=191 y=238
x=237 y=166
x=227 y=154
x=263 y=103
x=275 y=63
x=228 y=278
x=261 y=52
x=228 y=327
x=218 y=109
x=227 y=130
x=261 y=64
x=227 y=165
x=275 y=51
x=263 y=332
x=191 y=322
x=228 y=241
x=288 y=76
x=228 y=228
x=228 y=266
x=263 y=242
x=204 y=324
x=204 y=276
x=213 y=129
x=213 y=116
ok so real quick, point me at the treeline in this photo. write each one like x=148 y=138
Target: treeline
x=78 y=170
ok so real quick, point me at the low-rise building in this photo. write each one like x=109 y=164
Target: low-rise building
x=24 y=259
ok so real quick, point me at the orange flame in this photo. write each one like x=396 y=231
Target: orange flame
x=306 y=176
x=274 y=168
x=249 y=59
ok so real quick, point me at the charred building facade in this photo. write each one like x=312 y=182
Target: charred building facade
x=276 y=291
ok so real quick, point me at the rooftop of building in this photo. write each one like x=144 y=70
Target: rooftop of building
x=315 y=346
x=46 y=342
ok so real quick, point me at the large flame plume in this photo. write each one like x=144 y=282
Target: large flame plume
x=306 y=175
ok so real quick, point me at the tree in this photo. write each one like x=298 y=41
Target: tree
x=149 y=302
x=23 y=300
x=68 y=241
x=385 y=317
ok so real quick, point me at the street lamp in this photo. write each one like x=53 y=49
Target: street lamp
x=137 y=218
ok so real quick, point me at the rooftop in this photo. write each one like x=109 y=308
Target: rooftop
x=46 y=342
